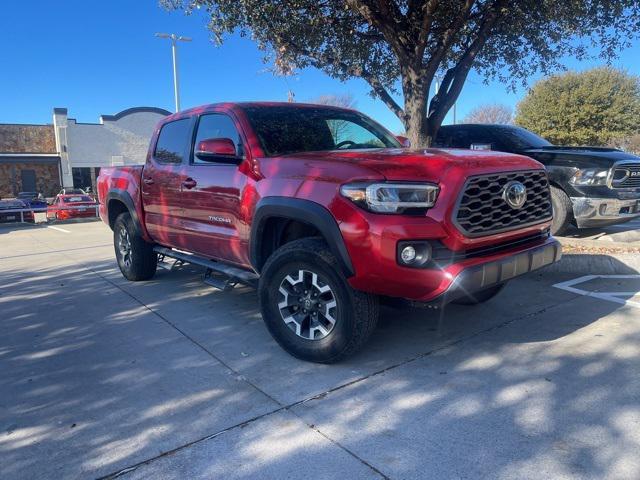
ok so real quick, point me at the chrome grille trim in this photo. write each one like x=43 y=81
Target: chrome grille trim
x=632 y=177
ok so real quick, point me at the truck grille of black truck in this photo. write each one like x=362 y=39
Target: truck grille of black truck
x=626 y=176
x=482 y=210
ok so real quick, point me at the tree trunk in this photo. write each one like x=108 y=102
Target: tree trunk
x=415 y=121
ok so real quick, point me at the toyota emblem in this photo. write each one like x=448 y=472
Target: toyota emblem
x=515 y=194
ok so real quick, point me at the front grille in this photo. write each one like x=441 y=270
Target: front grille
x=626 y=176
x=482 y=210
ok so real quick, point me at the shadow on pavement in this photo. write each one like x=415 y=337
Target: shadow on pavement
x=98 y=374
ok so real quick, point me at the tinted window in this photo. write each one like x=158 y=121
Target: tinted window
x=451 y=138
x=172 y=141
x=519 y=138
x=217 y=126
x=462 y=137
x=283 y=130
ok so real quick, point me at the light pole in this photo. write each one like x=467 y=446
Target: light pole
x=174 y=53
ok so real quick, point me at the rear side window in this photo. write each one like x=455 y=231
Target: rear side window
x=172 y=141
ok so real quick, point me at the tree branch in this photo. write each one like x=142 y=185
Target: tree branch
x=425 y=17
x=448 y=37
x=455 y=77
x=319 y=60
x=383 y=21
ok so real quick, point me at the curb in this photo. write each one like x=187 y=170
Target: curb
x=597 y=264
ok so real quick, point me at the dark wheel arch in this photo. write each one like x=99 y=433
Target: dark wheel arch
x=303 y=211
x=119 y=201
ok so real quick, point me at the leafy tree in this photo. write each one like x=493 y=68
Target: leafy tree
x=594 y=107
x=399 y=46
x=491 y=113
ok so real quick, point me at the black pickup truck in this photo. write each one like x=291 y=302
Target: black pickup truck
x=590 y=186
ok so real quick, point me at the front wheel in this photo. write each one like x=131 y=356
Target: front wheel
x=135 y=256
x=481 y=296
x=562 y=211
x=308 y=306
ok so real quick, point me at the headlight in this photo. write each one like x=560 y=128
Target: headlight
x=590 y=176
x=392 y=197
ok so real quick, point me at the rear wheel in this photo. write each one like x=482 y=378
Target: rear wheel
x=562 y=211
x=481 y=296
x=135 y=256
x=308 y=306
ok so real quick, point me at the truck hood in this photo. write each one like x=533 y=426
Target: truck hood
x=423 y=165
x=580 y=157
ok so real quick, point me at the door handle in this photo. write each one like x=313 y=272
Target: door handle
x=148 y=181
x=189 y=183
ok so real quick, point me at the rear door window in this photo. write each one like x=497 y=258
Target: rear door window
x=173 y=141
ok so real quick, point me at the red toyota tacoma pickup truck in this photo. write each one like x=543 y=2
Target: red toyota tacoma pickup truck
x=326 y=213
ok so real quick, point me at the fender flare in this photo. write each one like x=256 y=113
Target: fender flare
x=124 y=197
x=305 y=211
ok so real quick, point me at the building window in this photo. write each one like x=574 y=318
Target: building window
x=85 y=178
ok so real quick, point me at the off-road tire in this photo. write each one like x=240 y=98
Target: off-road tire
x=562 y=211
x=356 y=313
x=480 y=297
x=143 y=261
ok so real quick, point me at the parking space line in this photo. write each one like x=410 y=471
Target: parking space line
x=569 y=286
x=59 y=229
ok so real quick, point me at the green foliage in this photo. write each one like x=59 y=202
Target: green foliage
x=595 y=107
x=399 y=46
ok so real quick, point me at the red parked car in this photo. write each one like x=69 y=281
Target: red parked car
x=66 y=207
x=326 y=213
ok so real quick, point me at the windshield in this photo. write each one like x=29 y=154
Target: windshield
x=519 y=138
x=283 y=130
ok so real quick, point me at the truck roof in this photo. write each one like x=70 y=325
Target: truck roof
x=242 y=105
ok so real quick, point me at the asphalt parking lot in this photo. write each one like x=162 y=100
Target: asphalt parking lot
x=172 y=379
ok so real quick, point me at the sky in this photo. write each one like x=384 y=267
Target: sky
x=100 y=57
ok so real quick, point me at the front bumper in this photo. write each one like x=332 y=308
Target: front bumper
x=597 y=212
x=445 y=280
x=487 y=275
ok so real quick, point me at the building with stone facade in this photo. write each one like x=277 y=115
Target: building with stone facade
x=29 y=160
x=67 y=153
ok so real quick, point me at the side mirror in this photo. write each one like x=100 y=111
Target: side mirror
x=404 y=141
x=217 y=150
x=481 y=146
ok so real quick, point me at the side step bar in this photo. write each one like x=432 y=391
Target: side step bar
x=233 y=275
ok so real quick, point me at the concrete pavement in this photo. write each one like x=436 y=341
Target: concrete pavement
x=171 y=379
x=627 y=233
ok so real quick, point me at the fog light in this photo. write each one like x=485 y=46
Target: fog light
x=408 y=254
x=414 y=253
